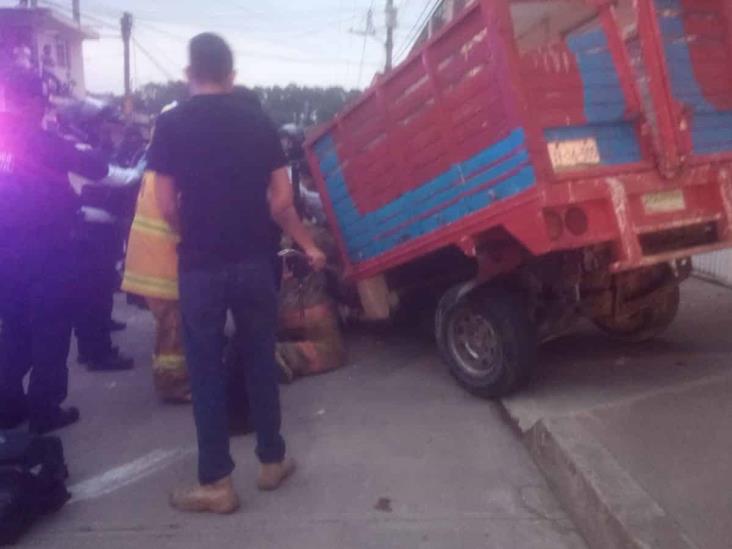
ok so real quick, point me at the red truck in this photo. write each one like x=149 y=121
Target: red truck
x=534 y=162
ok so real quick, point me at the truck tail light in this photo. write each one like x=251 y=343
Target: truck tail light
x=554 y=224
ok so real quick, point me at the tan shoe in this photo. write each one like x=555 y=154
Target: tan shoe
x=273 y=475
x=219 y=498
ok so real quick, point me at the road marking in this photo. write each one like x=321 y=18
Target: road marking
x=125 y=475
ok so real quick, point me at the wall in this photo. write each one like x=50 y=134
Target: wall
x=74 y=71
x=76 y=54
x=717 y=266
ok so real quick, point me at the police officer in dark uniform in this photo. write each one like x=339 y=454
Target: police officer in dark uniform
x=38 y=210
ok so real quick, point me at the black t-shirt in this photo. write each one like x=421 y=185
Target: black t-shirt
x=36 y=198
x=221 y=150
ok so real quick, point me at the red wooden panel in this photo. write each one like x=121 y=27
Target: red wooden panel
x=551 y=72
x=420 y=99
x=421 y=121
x=408 y=76
x=425 y=131
x=366 y=136
x=709 y=35
x=362 y=114
x=454 y=68
x=459 y=36
x=483 y=83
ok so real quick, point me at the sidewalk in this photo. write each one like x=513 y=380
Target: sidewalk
x=636 y=441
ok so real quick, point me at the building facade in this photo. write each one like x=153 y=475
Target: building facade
x=49 y=43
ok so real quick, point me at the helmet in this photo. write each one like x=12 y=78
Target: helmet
x=292 y=132
x=169 y=107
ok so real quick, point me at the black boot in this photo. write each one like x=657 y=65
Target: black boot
x=58 y=419
x=113 y=362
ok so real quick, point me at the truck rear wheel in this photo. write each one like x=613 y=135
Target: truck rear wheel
x=487 y=339
x=646 y=324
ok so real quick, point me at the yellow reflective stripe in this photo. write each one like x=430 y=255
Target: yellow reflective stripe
x=170 y=358
x=170 y=362
x=150 y=282
x=154 y=226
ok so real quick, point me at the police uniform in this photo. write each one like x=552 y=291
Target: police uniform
x=38 y=210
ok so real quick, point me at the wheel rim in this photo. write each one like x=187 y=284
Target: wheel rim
x=475 y=344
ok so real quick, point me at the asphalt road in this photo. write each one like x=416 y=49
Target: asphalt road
x=392 y=454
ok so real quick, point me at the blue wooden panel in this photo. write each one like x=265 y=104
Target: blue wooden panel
x=597 y=69
x=496 y=173
x=711 y=128
x=604 y=103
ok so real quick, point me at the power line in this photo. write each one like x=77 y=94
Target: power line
x=153 y=60
x=419 y=24
x=422 y=20
x=161 y=31
x=370 y=31
x=258 y=55
x=85 y=15
x=163 y=56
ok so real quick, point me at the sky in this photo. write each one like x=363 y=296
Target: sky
x=276 y=42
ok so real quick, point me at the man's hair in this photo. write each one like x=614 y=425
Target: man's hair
x=211 y=58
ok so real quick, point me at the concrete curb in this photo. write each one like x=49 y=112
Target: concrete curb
x=607 y=505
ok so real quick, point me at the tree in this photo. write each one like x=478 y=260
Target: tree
x=304 y=106
x=151 y=98
x=294 y=104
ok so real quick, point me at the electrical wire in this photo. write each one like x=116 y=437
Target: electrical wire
x=153 y=60
x=68 y=12
x=105 y=16
x=168 y=61
x=419 y=25
x=271 y=56
x=365 y=42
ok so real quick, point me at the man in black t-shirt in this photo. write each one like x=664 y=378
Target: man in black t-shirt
x=38 y=212
x=222 y=181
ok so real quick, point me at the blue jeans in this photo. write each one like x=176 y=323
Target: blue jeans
x=249 y=291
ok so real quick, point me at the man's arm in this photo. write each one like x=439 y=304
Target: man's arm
x=282 y=208
x=67 y=157
x=161 y=161
x=166 y=196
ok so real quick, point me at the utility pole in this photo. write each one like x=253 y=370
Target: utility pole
x=76 y=10
x=370 y=30
x=391 y=25
x=126 y=23
x=391 y=13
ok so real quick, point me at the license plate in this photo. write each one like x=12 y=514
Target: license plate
x=664 y=202
x=574 y=153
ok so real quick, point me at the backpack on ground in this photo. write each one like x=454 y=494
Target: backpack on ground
x=32 y=482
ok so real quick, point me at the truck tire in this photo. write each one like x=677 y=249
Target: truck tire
x=487 y=339
x=647 y=324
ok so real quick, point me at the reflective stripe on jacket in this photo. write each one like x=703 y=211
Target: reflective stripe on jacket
x=151 y=268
